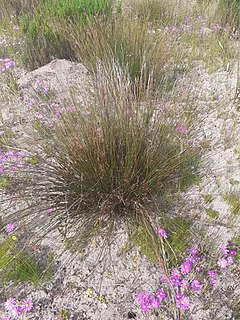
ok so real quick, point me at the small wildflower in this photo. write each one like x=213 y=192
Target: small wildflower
x=16 y=312
x=178 y=295
x=184 y=284
x=162 y=233
x=160 y=294
x=142 y=297
x=212 y=273
x=213 y=282
x=155 y=303
x=4 y=318
x=222 y=263
x=183 y=303
x=196 y=286
x=181 y=128
x=50 y=210
x=224 y=250
x=230 y=260
x=163 y=279
x=14 y=238
x=193 y=251
x=198 y=269
x=88 y=293
x=186 y=267
x=45 y=89
x=176 y=274
x=232 y=252
x=145 y=307
x=10 y=227
x=27 y=305
x=10 y=304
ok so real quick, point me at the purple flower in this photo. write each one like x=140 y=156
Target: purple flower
x=224 y=250
x=176 y=274
x=162 y=233
x=232 y=252
x=222 y=263
x=10 y=304
x=4 y=318
x=183 y=303
x=212 y=282
x=142 y=297
x=198 y=269
x=178 y=295
x=212 y=273
x=174 y=281
x=184 y=284
x=10 y=227
x=196 y=286
x=186 y=267
x=50 y=210
x=181 y=128
x=160 y=294
x=230 y=260
x=17 y=311
x=45 y=89
x=193 y=251
x=155 y=303
x=145 y=306
x=26 y=305
x=163 y=279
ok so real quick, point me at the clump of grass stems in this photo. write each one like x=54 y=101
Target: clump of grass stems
x=127 y=41
x=102 y=167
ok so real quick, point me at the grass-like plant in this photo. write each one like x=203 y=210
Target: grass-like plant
x=101 y=167
x=17 y=265
x=42 y=40
x=161 y=12
x=128 y=42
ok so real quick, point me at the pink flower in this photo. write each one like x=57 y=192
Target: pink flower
x=212 y=273
x=196 y=286
x=193 y=251
x=224 y=250
x=46 y=88
x=230 y=260
x=181 y=128
x=163 y=279
x=213 y=282
x=145 y=307
x=162 y=233
x=17 y=311
x=10 y=227
x=222 y=263
x=178 y=295
x=186 y=267
x=26 y=305
x=155 y=303
x=176 y=274
x=160 y=294
x=183 y=303
x=184 y=284
x=36 y=84
x=142 y=297
x=10 y=304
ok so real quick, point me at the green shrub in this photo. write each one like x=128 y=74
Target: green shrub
x=43 y=41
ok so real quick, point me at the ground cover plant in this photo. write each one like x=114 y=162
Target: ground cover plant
x=78 y=174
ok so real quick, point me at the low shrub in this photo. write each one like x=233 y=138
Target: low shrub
x=102 y=166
